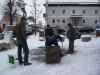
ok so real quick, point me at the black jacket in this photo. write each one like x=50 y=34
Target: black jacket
x=71 y=33
x=49 y=32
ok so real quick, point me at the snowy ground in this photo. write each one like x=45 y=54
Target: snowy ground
x=86 y=60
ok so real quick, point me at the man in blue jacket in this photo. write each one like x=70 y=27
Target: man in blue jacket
x=53 y=41
x=71 y=38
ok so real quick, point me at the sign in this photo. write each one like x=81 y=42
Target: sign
x=76 y=15
x=58 y=20
x=44 y=15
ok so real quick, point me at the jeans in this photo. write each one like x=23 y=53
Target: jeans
x=22 y=44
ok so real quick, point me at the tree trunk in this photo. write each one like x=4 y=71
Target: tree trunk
x=35 y=22
x=11 y=13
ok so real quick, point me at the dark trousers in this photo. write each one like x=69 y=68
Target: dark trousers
x=71 y=46
x=46 y=41
x=23 y=44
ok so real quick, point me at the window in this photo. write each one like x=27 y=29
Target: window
x=53 y=11
x=84 y=12
x=96 y=11
x=63 y=11
x=95 y=21
x=83 y=21
x=53 y=20
x=63 y=20
x=73 y=11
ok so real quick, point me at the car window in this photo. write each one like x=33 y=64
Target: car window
x=9 y=28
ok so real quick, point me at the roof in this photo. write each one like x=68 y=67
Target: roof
x=73 y=4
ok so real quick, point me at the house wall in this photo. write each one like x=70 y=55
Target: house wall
x=89 y=17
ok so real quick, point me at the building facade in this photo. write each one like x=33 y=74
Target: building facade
x=76 y=13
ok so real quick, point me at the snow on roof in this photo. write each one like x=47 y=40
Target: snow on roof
x=30 y=23
x=73 y=2
x=19 y=11
x=22 y=2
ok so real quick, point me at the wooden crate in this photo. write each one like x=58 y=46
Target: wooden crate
x=41 y=35
x=98 y=33
x=52 y=54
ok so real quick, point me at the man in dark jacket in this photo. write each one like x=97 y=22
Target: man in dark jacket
x=53 y=41
x=20 y=33
x=48 y=33
x=71 y=37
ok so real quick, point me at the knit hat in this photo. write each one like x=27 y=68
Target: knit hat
x=48 y=25
x=23 y=18
x=69 y=24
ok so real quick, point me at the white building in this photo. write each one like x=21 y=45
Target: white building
x=77 y=13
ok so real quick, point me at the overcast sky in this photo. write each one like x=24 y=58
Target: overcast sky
x=41 y=2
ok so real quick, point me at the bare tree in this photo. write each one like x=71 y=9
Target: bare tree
x=10 y=9
x=35 y=11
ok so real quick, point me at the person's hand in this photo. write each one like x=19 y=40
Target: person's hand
x=69 y=40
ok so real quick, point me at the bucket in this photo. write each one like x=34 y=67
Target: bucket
x=11 y=59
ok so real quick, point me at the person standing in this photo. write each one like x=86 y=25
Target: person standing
x=20 y=33
x=71 y=38
x=48 y=33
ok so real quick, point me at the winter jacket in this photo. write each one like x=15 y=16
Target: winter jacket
x=49 y=32
x=53 y=40
x=97 y=27
x=71 y=33
x=20 y=31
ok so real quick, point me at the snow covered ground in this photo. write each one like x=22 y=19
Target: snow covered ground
x=86 y=60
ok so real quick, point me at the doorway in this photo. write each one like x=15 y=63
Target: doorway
x=76 y=22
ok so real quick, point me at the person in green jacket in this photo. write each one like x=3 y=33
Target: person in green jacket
x=20 y=33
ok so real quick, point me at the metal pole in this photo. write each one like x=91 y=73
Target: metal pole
x=46 y=11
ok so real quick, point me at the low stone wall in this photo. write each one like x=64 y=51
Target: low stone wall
x=85 y=38
x=4 y=46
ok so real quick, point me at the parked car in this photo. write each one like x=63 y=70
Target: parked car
x=55 y=31
x=87 y=29
x=77 y=33
x=9 y=28
x=29 y=30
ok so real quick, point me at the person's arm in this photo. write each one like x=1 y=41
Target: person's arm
x=13 y=33
x=58 y=37
x=23 y=30
x=45 y=33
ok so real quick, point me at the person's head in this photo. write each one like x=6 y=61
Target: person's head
x=48 y=26
x=69 y=25
x=23 y=19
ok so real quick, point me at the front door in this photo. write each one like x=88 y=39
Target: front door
x=75 y=22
